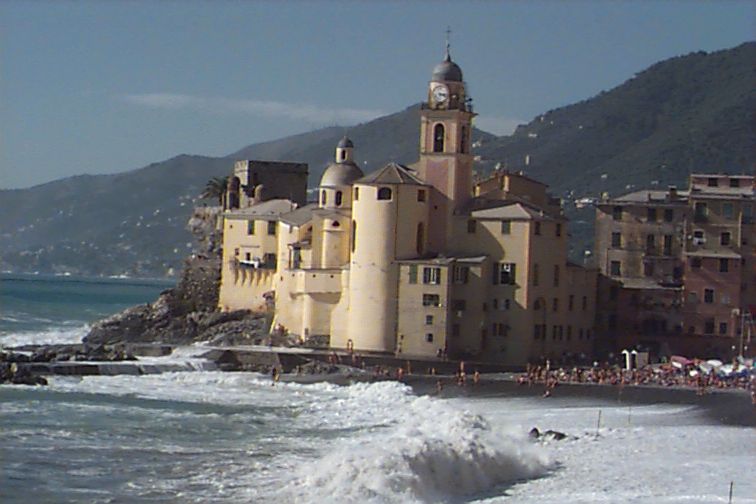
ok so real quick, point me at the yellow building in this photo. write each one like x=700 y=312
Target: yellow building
x=416 y=261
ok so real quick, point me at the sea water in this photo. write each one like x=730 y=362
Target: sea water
x=208 y=436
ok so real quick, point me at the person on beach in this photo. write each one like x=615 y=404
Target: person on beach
x=476 y=377
x=275 y=375
x=439 y=387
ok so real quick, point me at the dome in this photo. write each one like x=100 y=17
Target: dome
x=340 y=174
x=345 y=143
x=447 y=70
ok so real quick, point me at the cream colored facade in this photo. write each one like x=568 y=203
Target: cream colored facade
x=418 y=262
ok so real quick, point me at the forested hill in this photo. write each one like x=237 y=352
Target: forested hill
x=692 y=113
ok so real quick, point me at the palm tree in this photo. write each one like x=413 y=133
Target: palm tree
x=216 y=188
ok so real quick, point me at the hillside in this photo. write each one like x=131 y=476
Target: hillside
x=689 y=113
x=133 y=223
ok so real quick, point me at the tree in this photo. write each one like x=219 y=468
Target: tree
x=216 y=188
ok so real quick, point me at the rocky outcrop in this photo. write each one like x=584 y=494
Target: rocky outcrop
x=189 y=312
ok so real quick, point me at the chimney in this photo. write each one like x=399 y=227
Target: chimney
x=672 y=192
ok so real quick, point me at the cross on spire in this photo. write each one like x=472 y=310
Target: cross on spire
x=448 y=35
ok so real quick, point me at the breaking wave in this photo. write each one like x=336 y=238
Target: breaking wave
x=417 y=449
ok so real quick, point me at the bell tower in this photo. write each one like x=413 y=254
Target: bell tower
x=445 y=151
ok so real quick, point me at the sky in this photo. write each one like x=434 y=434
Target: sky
x=111 y=86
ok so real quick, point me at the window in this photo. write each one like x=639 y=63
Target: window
x=250 y=227
x=471 y=225
x=571 y=302
x=272 y=228
x=506 y=304
x=537 y=304
x=724 y=238
x=429 y=338
x=734 y=182
x=460 y=274
x=420 y=239
x=650 y=243
x=669 y=215
x=438 y=138
x=413 y=273
x=432 y=276
x=727 y=210
x=354 y=235
x=323 y=197
x=615 y=268
x=463 y=141
x=651 y=214
x=537 y=228
x=700 y=211
x=535 y=274
x=695 y=262
x=429 y=320
x=724 y=266
x=708 y=296
x=709 y=326
x=558 y=229
x=712 y=182
x=617 y=213
x=667 y=245
x=248 y=256
x=556 y=275
x=356 y=193
x=616 y=240
x=723 y=328
x=431 y=300
x=455 y=331
x=459 y=305
x=269 y=260
x=555 y=304
x=585 y=303
x=421 y=195
x=384 y=193
x=504 y=274
x=506 y=227
x=692 y=298
x=339 y=197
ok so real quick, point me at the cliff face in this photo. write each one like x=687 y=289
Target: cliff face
x=187 y=313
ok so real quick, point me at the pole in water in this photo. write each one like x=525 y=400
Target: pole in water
x=598 y=423
x=731 y=483
x=629 y=412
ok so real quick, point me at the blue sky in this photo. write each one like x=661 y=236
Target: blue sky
x=103 y=87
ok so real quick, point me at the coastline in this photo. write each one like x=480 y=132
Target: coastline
x=730 y=407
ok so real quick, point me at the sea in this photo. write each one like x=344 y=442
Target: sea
x=205 y=436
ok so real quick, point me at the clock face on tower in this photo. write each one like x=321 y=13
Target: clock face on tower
x=440 y=94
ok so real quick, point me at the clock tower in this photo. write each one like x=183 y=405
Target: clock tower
x=445 y=150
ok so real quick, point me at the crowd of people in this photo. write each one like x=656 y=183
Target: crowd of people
x=666 y=375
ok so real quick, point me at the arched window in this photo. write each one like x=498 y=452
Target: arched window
x=323 y=197
x=438 y=137
x=342 y=155
x=356 y=193
x=338 y=198
x=384 y=193
x=463 y=141
x=420 y=241
x=354 y=235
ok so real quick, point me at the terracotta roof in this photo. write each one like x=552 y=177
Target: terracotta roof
x=392 y=173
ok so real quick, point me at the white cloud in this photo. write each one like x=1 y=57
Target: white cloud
x=260 y=108
x=498 y=125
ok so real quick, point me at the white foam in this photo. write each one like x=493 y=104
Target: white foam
x=52 y=336
x=412 y=449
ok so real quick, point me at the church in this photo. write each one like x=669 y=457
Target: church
x=418 y=261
